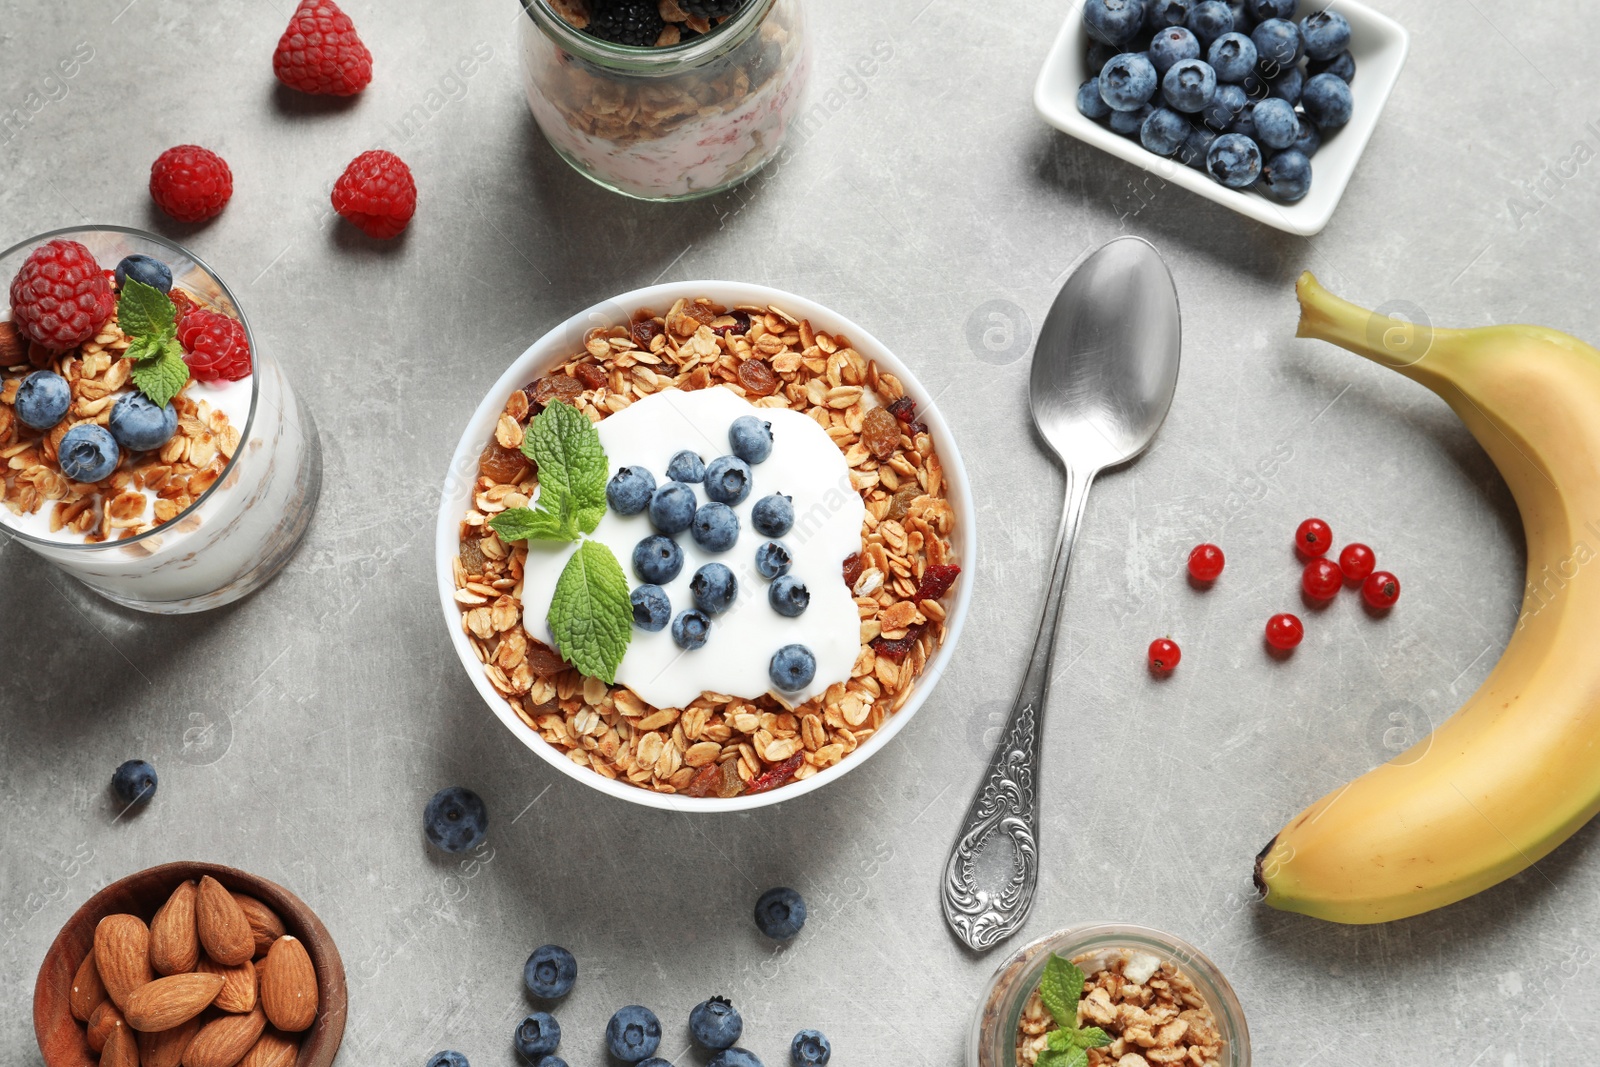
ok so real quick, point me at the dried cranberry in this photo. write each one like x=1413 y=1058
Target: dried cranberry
x=739 y=326
x=643 y=331
x=556 y=387
x=757 y=377
x=905 y=409
x=936 y=581
x=896 y=650
x=704 y=781
x=591 y=375
x=853 y=566
x=775 y=775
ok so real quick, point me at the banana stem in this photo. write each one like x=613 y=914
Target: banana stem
x=1395 y=343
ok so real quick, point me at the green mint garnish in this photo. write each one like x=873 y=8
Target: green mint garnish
x=1061 y=987
x=149 y=318
x=590 y=615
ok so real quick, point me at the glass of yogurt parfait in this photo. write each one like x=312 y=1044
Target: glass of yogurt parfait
x=673 y=107
x=148 y=447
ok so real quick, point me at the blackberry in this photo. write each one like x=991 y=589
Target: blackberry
x=631 y=22
x=710 y=9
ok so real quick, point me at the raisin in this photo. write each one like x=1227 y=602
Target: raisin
x=936 y=581
x=740 y=326
x=880 y=432
x=555 y=387
x=776 y=775
x=643 y=331
x=472 y=558
x=592 y=376
x=900 y=503
x=905 y=409
x=853 y=566
x=896 y=650
x=704 y=781
x=506 y=466
x=704 y=314
x=730 y=784
x=544 y=660
x=757 y=377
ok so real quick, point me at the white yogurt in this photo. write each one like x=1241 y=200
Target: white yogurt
x=805 y=464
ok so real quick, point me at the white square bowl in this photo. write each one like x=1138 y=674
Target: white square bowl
x=1379 y=45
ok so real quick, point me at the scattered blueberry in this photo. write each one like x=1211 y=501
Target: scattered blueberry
x=628 y=492
x=1262 y=10
x=1325 y=34
x=773 y=515
x=672 y=508
x=1090 y=102
x=780 y=913
x=1128 y=82
x=537 y=1036
x=633 y=1033
x=1310 y=138
x=88 y=453
x=1288 y=85
x=715 y=528
x=43 y=399
x=1113 y=21
x=1341 y=66
x=1234 y=160
x=448 y=1058
x=657 y=560
x=456 y=820
x=792 y=668
x=728 y=480
x=147 y=269
x=810 y=1049
x=773 y=559
x=1287 y=176
x=139 y=426
x=715 y=1024
x=735 y=1057
x=550 y=972
x=1277 y=42
x=686 y=466
x=1129 y=123
x=1189 y=85
x=713 y=588
x=1232 y=56
x=1276 y=124
x=690 y=630
x=1224 y=107
x=551 y=1061
x=1209 y=20
x=1171 y=45
x=655 y=1061
x=789 y=596
x=1327 y=101
x=750 y=439
x=1159 y=14
x=134 y=781
x=1193 y=152
x=651 y=608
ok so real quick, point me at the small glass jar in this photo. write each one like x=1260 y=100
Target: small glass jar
x=993 y=1040
x=667 y=123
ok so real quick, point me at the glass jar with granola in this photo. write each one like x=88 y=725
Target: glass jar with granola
x=665 y=99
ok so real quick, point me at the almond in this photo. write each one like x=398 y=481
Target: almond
x=122 y=956
x=165 y=1049
x=289 y=985
x=88 y=992
x=264 y=922
x=121 y=1050
x=174 y=940
x=105 y=1019
x=223 y=1041
x=238 y=986
x=273 y=1050
x=166 y=1002
x=224 y=931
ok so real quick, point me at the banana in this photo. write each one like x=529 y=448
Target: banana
x=1516 y=770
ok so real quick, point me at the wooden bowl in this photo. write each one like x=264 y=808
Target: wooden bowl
x=61 y=1037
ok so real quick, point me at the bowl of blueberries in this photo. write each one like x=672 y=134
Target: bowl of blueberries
x=1262 y=105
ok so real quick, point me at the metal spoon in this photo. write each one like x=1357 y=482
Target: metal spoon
x=1103 y=375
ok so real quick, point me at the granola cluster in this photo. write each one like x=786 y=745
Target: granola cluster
x=719 y=745
x=1162 y=1020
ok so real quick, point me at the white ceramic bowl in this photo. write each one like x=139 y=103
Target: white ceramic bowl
x=559 y=345
x=1379 y=45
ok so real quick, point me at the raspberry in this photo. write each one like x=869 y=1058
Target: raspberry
x=60 y=297
x=216 y=346
x=190 y=183
x=377 y=193
x=321 y=53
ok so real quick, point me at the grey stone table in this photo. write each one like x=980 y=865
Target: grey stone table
x=299 y=733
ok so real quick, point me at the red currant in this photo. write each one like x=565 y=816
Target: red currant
x=1164 y=655
x=1321 y=579
x=1284 y=632
x=1356 y=562
x=1205 y=563
x=1313 y=538
x=1380 y=590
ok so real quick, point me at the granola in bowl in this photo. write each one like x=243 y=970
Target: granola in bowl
x=899 y=578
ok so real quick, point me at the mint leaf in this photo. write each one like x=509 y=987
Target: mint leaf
x=1069 y=1038
x=527 y=524
x=590 y=616
x=161 y=375
x=572 y=464
x=145 y=311
x=1060 y=987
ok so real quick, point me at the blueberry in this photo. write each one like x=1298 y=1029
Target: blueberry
x=655 y=1061
x=1243 y=21
x=448 y=1058
x=88 y=453
x=139 y=426
x=1164 y=131
x=1193 y=152
x=686 y=466
x=651 y=608
x=1277 y=42
x=780 y=913
x=1189 y=85
x=735 y=1057
x=690 y=630
x=1244 y=123
x=633 y=1033
x=134 y=782
x=728 y=480
x=1113 y=21
x=657 y=560
x=147 y=269
x=1128 y=82
x=810 y=1049
x=789 y=596
x=456 y=820
x=1100 y=53
x=1224 y=107
x=43 y=399
x=715 y=1024
x=550 y=972
x=551 y=1061
x=1232 y=56
x=1287 y=176
x=672 y=508
x=1341 y=66
x=1310 y=138
x=715 y=528
x=1159 y=14
x=1090 y=102
x=1327 y=101
x=1288 y=85
x=537 y=1036
x=628 y=492
x=792 y=668
x=713 y=588
x=773 y=516
x=1276 y=123
x=750 y=439
x=1130 y=123
x=1262 y=10
x=1325 y=34
x=1170 y=46
x=1209 y=20
x=1234 y=160
x=773 y=559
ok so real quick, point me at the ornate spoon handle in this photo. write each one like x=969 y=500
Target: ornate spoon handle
x=1007 y=802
